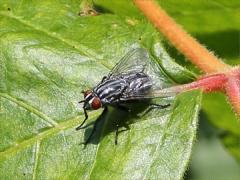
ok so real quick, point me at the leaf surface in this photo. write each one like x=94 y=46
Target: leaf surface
x=48 y=55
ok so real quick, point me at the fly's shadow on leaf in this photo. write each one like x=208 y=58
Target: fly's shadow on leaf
x=108 y=121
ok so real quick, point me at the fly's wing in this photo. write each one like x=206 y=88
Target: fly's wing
x=133 y=61
x=136 y=61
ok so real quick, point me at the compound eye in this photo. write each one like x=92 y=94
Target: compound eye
x=96 y=103
x=86 y=93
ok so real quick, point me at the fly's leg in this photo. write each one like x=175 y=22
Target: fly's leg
x=154 y=106
x=116 y=134
x=86 y=117
x=104 y=77
x=117 y=125
x=95 y=127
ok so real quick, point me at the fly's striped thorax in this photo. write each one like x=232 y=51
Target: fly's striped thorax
x=110 y=90
x=123 y=86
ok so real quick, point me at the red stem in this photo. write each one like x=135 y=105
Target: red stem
x=215 y=82
x=233 y=92
x=186 y=44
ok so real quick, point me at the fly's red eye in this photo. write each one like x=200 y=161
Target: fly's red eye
x=96 y=103
x=87 y=93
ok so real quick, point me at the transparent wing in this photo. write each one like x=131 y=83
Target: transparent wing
x=133 y=61
x=138 y=60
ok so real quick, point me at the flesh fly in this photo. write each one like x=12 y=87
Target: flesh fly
x=135 y=77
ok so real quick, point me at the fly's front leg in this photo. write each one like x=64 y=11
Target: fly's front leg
x=86 y=117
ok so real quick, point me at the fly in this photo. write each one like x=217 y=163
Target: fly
x=134 y=78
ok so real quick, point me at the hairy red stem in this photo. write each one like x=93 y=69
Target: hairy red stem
x=185 y=43
x=233 y=92
x=215 y=82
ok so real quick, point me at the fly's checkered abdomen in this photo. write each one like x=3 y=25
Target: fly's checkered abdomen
x=140 y=84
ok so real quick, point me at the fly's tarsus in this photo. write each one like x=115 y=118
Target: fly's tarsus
x=86 y=117
x=116 y=134
x=155 y=106
x=82 y=101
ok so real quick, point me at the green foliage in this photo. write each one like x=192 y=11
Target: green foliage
x=48 y=55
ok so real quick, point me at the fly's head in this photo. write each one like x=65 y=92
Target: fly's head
x=91 y=101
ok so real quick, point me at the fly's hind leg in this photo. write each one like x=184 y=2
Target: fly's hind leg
x=160 y=106
x=156 y=106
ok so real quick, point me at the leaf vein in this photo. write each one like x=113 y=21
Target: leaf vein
x=31 y=109
x=81 y=48
x=36 y=157
x=47 y=133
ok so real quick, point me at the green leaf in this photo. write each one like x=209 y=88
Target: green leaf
x=48 y=55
